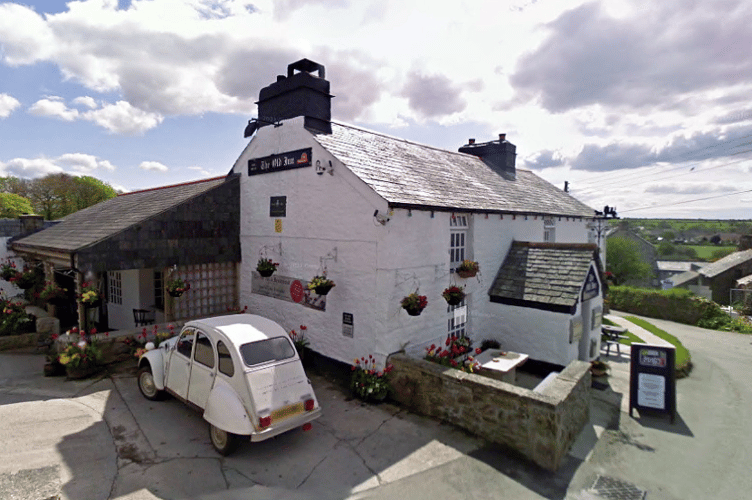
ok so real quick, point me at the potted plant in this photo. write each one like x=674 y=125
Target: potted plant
x=468 y=269
x=414 y=303
x=266 y=267
x=81 y=359
x=599 y=368
x=8 y=270
x=300 y=341
x=89 y=296
x=24 y=279
x=176 y=287
x=321 y=285
x=368 y=383
x=454 y=294
x=52 y=293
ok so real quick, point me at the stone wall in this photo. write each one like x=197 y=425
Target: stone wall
x=541 y=426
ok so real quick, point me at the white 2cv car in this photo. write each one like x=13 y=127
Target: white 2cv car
x=241 y=370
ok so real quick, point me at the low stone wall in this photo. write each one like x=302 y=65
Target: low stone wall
x=541 y=426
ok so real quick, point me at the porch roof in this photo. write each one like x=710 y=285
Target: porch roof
x=543 y=275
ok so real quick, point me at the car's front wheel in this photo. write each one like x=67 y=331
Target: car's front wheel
x=224 y=442
x=147 y=386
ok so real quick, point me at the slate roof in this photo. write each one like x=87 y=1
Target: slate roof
x=684 y=278
x=103 y=220
x=547 y=274
x=726 y=263
x=410 y=174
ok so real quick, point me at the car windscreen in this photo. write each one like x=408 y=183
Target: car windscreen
x=263 y=351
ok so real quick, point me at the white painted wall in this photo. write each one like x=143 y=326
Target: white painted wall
x=377 y=265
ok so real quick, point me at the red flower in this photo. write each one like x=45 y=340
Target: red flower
x=74 y=329
x=53 y=336
x=93 y=331
x=448 y=341
x=303 y=327
x=478 y=350
x=454 y=363
x=352 y=368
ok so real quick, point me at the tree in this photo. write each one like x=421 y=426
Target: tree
x=57 y=195
x=13 y=205
x=715 y=239
x=624 y=262
x=665 y=247
x=90 y=191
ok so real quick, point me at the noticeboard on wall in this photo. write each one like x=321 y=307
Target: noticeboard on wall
x=652 y=381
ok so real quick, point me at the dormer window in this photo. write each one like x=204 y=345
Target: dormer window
x=549 y=230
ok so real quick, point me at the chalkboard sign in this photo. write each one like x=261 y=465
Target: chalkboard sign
x=348 y=324
x=652 y=384
x=278 y=206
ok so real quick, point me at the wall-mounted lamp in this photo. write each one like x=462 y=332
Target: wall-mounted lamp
x=253 y=125
x=381 y=219
x=320 y=169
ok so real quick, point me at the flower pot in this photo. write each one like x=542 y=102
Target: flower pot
x=81 y=371
x=91 y=305
x=454 y=300
x=467 y=274
x=413 y=311
x=266 y=272
x=174 y=293
x=323 y=289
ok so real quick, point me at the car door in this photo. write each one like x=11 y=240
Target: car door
x=203 y=370
x=179 y=367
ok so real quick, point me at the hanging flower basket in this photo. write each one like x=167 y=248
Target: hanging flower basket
x=8 y=270
x=266 y=267
x=23 y=280
x=468 y=269
x=176 y=287
x=454 y=295
x=90 y=295
x=52 y=293
x=414 y=303
x=321 y=285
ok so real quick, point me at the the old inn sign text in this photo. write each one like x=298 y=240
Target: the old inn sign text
x=283 y=161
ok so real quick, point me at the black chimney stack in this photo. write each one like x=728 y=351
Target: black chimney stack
x=298 y=94
x=499 y=155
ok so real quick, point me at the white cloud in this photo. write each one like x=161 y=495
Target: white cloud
x=84 y=163
x=29 y=168
x=85 y=101
x=27 y=37
x=201 y=171
x=122 y=118
x=55 y=108
x=8 y=104
x=153 y=165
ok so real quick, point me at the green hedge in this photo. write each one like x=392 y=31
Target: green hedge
x=677 y=304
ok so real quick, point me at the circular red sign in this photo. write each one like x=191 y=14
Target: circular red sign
x=296 y=291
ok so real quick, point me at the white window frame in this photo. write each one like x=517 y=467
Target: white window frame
x=459 y=230
x=115 y=280
x=549 y=230
x=458 y=318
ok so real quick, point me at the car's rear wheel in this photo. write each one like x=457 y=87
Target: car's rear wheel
x=147 y=386
x=224 y=442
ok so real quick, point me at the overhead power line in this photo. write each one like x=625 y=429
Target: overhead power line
x=688 y=201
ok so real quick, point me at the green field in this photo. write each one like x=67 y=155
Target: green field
x=705 y=252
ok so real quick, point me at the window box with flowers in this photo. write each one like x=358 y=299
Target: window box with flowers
x=52 y=293
x=89 y=296
x=454 y=294
x=468 y=269
x=321 y=285
x=177 y=287
x=414 y=303
x=456 y=354
x=266 y=267
x=367 y=382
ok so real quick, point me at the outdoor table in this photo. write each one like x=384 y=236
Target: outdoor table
x=612 y=335
x=500 y=365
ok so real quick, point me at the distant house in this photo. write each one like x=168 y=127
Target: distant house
x=384 y=217
x=715 y=280
x=130 y=245
x=668 y=269
x=647 y=251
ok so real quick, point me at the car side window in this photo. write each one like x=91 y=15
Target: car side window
x=225 y=360
x=185 y=343
x=204 y=352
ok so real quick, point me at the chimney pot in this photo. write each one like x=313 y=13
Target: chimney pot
x=502 y=137
x=471 y=141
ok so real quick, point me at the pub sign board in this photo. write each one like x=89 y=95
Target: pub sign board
x=282 y=161
x=652 y=381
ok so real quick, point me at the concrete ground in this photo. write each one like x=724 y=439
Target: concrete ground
x=100 y=439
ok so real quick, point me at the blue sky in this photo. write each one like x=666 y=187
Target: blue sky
x=638 y=105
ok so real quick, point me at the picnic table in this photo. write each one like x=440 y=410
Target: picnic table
x=612 y=335
x=501 y=365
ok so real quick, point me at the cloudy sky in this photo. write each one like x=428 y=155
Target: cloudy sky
x=639 y=105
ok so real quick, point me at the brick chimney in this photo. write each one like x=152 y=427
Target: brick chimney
x=499 y=155
x=300 y=93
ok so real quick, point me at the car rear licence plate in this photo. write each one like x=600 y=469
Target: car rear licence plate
x=287 y=412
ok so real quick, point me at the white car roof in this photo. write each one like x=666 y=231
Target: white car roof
x=241 y=328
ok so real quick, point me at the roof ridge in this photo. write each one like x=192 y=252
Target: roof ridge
x=174 y=185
